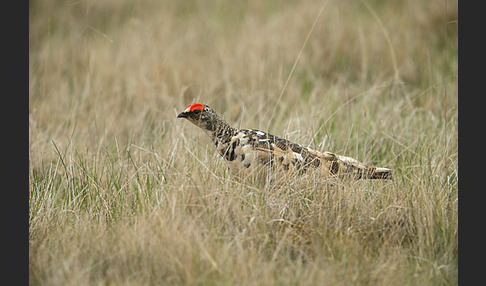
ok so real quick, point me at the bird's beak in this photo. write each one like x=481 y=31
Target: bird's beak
x=182 y=115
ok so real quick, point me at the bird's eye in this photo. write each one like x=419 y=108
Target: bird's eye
x=196 y=111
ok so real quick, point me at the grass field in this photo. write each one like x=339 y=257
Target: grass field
x=123 y=193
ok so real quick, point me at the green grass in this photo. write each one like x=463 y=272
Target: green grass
x=122 y=192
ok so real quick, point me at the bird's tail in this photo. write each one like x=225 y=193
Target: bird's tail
x=352 y=167
x=380 y=173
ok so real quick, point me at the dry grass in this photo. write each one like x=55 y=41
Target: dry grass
x=121 y=192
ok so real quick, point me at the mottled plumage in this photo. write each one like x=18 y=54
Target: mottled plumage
x=250 y=151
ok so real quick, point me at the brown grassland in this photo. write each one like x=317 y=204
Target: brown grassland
x=123 y=193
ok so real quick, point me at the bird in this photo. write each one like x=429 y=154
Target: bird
x=255 y=152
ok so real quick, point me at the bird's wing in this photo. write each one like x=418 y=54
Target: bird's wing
x=251 y=147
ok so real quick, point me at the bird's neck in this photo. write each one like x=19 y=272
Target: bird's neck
x=220 y=131
x=223 y=134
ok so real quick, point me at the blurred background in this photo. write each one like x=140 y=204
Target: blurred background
x=124 y=68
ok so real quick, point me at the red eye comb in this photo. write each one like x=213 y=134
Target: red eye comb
x=196 y=106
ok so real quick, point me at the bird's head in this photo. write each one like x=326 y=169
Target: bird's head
x=201 y=115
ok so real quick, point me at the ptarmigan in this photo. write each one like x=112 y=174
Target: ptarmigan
x=250 y=151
